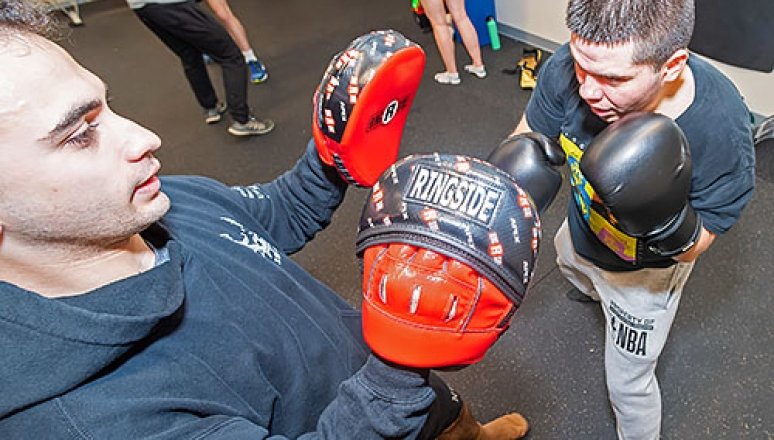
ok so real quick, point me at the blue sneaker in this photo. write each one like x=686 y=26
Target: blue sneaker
x=258 y=73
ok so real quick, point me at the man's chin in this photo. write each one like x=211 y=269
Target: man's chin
x=608 y=116
x=165 y=204
x=157 y=208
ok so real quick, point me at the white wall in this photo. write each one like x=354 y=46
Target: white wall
x=541 y=23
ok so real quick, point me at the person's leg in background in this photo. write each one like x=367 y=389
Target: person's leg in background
x=212 y=38
x=188 y=23
x=442 y=33
x=222 y=10
x=189 y=32
x=159 y=18
x=468 y=35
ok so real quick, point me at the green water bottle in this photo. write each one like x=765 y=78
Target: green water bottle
x=494 y=37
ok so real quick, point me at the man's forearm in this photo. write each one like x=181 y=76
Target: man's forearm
x=522 y=126
x=702 y=244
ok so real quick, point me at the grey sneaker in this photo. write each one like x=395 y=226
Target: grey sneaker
x=215 y=114
x=252 y=127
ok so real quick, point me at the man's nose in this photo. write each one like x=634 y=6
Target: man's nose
x=590 y=89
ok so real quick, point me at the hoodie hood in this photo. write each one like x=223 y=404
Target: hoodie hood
x=54 y=344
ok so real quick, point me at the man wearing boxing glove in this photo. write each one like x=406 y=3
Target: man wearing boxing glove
x=633 y=251
x=136 y=307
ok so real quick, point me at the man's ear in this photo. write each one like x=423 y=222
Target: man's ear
x=674 y=66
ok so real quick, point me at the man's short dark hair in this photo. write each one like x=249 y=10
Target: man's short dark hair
x=25 y=16
x=656 y=27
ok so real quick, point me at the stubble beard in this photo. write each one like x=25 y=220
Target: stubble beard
x=85 y=230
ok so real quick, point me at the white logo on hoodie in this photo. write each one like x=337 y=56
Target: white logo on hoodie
x=250 y=192
x=252 y=241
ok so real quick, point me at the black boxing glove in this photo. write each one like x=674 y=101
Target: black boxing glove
x=530 y=159
x=640 y=168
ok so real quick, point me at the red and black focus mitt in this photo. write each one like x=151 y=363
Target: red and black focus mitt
x=449 y=245
x=362 y=102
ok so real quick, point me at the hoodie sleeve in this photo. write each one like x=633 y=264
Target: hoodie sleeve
x=297 y=204
x=378 y=402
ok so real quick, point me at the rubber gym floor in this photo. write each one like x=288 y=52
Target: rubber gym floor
x=716 y=370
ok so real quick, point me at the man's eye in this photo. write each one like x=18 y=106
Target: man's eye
x=616 y=81
x=85 y=138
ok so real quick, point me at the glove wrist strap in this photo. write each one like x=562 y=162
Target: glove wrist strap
x=679 y=236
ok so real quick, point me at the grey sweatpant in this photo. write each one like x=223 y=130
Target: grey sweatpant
x=639 y=308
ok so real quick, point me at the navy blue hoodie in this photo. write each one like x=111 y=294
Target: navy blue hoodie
x=226 y=338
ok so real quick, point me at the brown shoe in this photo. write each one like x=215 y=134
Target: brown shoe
x=466 y=427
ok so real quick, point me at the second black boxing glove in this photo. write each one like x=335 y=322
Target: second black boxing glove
x=531 y=158
x=640 y=168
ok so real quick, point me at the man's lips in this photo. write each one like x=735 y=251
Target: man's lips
x=147 y=184
x=607 y=114
x=150 y=185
